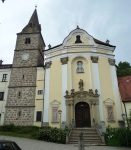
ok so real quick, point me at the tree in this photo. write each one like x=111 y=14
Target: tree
x=124 y=69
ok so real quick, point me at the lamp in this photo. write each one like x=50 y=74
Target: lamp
x=60 y=116
x=123 y=116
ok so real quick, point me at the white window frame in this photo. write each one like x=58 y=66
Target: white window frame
x=7 y=76
x=4 y=95
x=36 y=115
x=39 y=94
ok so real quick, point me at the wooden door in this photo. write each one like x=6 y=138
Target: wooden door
x=82 y=115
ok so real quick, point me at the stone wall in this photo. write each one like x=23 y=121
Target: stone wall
x=35 y=58
x=16 y=78
x=26 y=118
x=27 y=97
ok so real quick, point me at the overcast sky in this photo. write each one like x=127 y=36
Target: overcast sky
x=103 y=19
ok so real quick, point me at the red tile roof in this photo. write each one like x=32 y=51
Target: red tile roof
x=125 y=88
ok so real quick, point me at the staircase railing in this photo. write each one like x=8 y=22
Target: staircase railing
x=68 y=134
x=101 y=134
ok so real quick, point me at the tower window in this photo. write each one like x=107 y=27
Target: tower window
x=19 y=114
x=30 y=24
x=27 y=41
x=19 y=95
x=23 y=77
x=79 y=66
x=78 y=39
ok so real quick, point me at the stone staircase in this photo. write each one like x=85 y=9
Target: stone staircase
x=90 y=136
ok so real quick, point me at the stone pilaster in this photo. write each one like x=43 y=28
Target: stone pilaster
x=94 y=59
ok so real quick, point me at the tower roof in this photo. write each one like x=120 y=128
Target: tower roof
x=33 y=25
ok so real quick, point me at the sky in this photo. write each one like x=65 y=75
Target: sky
x=103 y=19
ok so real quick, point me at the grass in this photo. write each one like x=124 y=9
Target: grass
x=16 y=135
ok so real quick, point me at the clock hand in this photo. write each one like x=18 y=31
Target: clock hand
x=25 y=56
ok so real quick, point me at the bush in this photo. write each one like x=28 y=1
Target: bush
x=52 y=135
x=49 y=134
x=117 y=136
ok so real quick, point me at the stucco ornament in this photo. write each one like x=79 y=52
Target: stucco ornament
x=81 y=85
x=90 y=91
x=96 y=91
x=64 y=60
x=111 y=61
x=66 y=92
x=48 y=64
x=94 y=59
x=72 y=91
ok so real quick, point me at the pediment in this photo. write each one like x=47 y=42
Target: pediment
x=85 y=37
x=55 y=102
x=109 y=101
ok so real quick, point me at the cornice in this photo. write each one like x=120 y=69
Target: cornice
x=4 y=70
x=72 y=54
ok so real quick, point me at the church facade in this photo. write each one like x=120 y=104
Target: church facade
x=77 y=77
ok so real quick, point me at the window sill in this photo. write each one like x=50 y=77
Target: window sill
x=54 y=122
x=39 y=99
x=38 y=121
x=80 y=72
x=4 y=81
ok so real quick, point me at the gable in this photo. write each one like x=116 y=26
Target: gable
x=55 y=102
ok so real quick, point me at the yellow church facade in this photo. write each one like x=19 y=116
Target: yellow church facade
x=80 y=80
x=76 y=79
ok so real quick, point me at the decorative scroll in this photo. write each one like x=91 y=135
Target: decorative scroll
x=111 y=61
x=64 y=60
x=48 y=64
x=55 y=116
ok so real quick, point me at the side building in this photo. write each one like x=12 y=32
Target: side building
x=5 y=71
x=20 y=106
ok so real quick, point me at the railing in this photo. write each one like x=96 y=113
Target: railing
x=71 y=126
x=101 y=134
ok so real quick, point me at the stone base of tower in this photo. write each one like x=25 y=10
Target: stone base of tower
x=19 y=116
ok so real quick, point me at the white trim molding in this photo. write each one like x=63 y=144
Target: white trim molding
x=55 y=102
x=109 y=101
x=47 y=95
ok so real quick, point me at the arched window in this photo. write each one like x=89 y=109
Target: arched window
x=79 y=66
x=78 y=39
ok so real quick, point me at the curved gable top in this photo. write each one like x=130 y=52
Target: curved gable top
x=72 y=36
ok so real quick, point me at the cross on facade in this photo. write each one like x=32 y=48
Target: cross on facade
x=36 y=6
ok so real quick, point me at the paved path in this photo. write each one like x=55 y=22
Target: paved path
x=28 y=144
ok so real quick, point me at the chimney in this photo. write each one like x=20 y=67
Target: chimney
x=1 y=62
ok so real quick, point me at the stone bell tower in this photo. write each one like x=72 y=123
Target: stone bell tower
x=28 y=55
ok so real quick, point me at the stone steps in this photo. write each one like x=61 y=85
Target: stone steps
x=90 y=136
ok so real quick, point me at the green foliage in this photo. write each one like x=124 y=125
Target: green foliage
x=41 y=133
x=129 y=120
x=51 y=134
x=124 y=69
x=117 y=136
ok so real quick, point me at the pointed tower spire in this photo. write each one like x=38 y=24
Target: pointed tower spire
x=33 y=25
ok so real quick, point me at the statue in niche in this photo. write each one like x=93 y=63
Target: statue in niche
x=96 y=92
x=81 y=85
x=66 y=92
x=90 y=91
x=72 y=91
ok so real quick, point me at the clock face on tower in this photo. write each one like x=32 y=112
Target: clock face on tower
x=25 y=56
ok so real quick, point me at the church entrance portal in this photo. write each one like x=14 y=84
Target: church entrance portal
x=82 y=115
